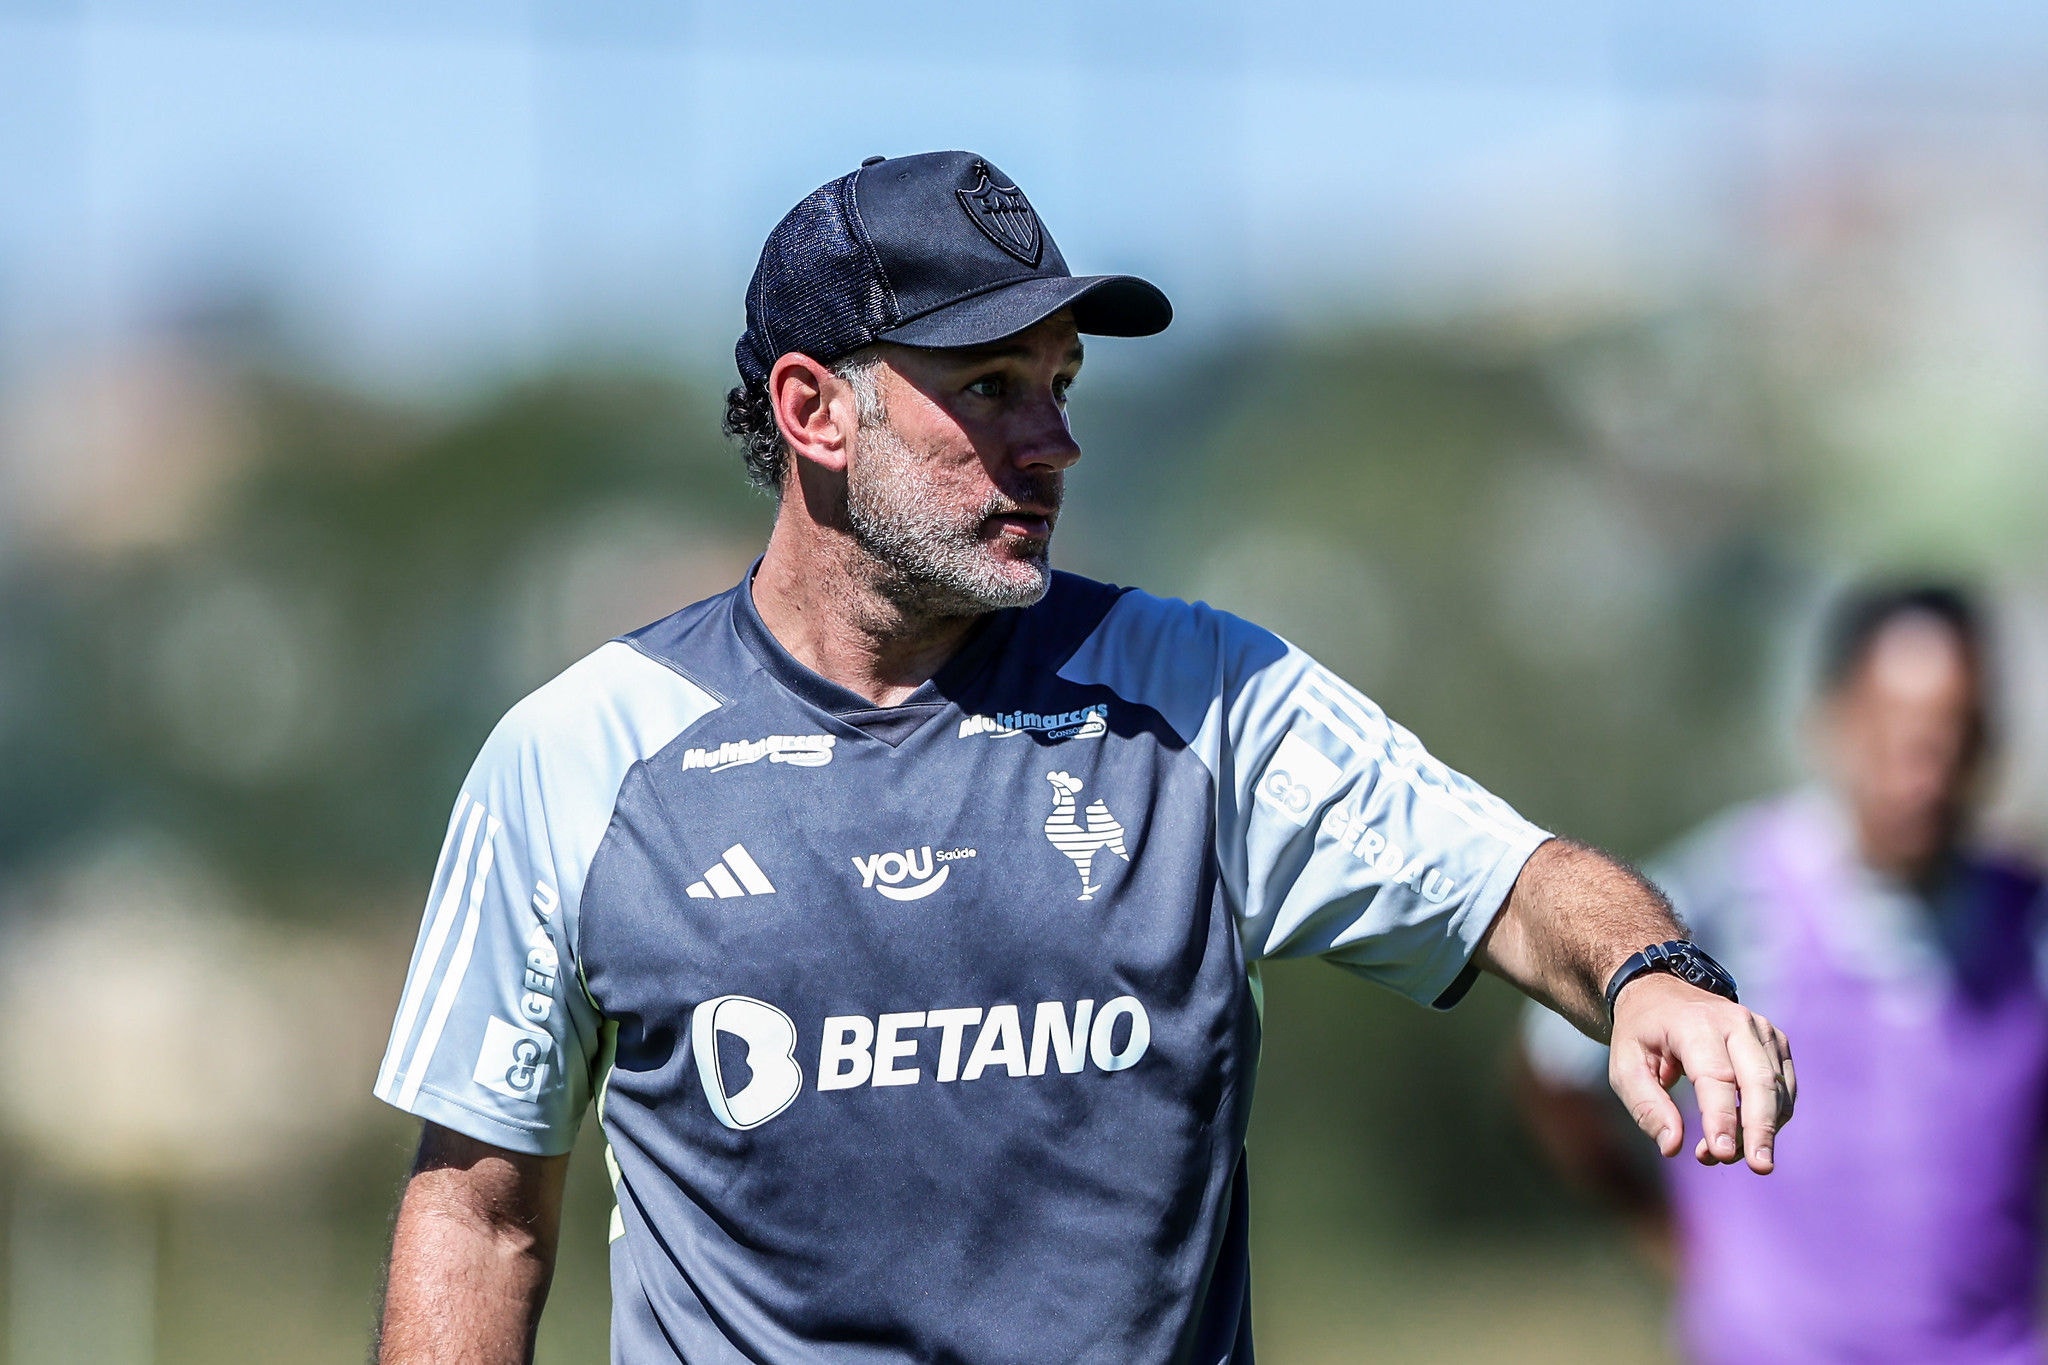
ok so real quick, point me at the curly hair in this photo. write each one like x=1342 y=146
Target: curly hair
x=750 y=418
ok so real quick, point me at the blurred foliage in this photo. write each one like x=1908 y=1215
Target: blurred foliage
x=1578 y=619
x=371 y=557
x=1559 y=559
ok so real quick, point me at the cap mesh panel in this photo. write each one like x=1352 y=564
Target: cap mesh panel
x=815 y=290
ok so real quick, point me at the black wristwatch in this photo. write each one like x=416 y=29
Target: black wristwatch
x=1678 y=957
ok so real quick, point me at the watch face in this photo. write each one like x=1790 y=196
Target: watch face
x=1697 y=969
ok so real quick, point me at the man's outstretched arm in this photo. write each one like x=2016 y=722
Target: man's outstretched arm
x=1572 y=919
x=472 y=1255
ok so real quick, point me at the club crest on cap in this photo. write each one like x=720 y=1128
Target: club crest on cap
x=1005 y=216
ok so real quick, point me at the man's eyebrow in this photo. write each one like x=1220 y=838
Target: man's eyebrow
x=975 y=355
x=994 y=351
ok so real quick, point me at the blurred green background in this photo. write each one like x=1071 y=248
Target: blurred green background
x=1557 y=470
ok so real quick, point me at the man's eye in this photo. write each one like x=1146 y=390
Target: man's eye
x=1061 y=388
x=990 y=386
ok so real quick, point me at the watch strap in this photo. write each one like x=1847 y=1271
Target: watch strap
x=1681 y=959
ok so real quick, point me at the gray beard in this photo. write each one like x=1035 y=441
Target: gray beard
x=934 y=560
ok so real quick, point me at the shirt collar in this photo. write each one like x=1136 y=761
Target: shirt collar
x=988 y=637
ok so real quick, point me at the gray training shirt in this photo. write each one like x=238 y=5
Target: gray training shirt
x=926 y=1032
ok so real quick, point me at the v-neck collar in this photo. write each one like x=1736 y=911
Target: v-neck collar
x=890 y=724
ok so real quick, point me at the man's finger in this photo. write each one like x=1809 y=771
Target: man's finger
x=1762 y=1082
x=1790 y=1098
x=1779 y=1049
x=1634 y=1079
x=1713 y=1084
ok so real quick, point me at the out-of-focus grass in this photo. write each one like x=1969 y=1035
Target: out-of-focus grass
x=284 y=1280
x=1531 y=1304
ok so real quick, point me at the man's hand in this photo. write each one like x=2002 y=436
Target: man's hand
x=1574 y=916
x=1739 y=1062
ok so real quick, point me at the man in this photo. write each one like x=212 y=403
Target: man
x=1906 y=1226
x=902 y=907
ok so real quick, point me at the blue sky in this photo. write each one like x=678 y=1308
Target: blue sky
x=426 y=189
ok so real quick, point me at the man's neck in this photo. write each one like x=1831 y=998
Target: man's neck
x=821 y=599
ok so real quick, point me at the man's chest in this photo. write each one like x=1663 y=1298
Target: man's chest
x=999 y=896
x=987 y=850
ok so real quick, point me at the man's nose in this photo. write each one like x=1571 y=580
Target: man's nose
x=1043 y=438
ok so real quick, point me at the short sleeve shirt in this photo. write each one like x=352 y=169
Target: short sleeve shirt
x=927 y=1031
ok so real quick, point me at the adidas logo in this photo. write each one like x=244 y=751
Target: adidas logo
x=734 y=874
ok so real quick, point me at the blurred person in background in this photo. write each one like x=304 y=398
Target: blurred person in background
x=1909 y=963
x=902 y=905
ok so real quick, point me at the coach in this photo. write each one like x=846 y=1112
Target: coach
x=902 y=907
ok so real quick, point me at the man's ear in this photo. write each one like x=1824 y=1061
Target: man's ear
x=817 y=411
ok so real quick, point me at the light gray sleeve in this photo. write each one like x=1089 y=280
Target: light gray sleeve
x=1337 y=833
x=495 y=1035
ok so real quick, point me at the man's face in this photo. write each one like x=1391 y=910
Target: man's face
x=958 y=488
x=1905 y=736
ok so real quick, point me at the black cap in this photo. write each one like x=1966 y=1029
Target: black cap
x=932 y=250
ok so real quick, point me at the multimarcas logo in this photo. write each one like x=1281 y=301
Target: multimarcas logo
x=909 y=875
x=1090 y=722
x=798 y=751
x=856 y=1050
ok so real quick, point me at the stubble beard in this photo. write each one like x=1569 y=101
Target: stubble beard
x=934 y=560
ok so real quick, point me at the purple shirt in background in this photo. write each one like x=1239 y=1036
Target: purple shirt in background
x=1903 y=1221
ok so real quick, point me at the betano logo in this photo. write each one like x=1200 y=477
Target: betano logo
x=887 y=872
x=856 y=1050
x=799 y=751
x=1090 y=722
x=774 y=1080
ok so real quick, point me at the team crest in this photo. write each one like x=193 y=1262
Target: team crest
x=1081 y=842
x=1005 y=217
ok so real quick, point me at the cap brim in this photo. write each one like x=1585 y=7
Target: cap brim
x=1104 y=305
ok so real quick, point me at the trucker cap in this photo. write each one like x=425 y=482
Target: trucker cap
x=939 y=249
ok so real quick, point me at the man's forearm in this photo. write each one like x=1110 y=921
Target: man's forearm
x=472 y=1255
x=1574 y=916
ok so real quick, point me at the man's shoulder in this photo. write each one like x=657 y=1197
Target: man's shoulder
x=1179 y=658
x=617 y=703
x=697 y=642
x=1164 y=632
